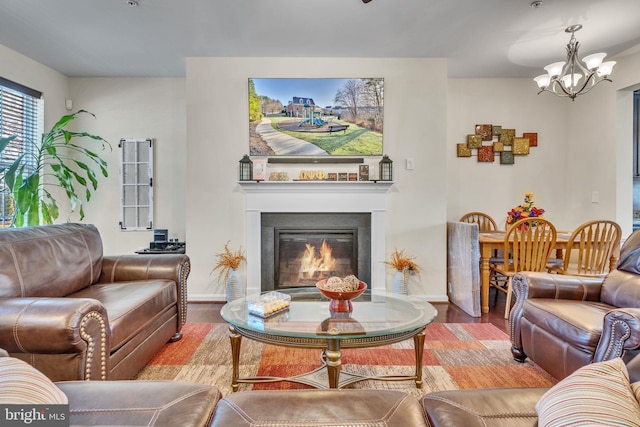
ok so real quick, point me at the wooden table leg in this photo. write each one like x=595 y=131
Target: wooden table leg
x=236 y=340
x=418 y=343
x=334 y=362
x=485 y=277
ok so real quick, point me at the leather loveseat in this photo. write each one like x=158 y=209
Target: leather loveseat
x=563 y=322
x=76 y=314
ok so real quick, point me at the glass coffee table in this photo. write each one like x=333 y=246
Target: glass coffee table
x=376 y=320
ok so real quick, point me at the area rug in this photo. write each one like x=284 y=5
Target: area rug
x=456 y=356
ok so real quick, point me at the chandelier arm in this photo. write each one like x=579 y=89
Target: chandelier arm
x=553 y=88
x=595 y=83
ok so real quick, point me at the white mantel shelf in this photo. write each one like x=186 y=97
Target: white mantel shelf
x=333 y=186
x=315 y=196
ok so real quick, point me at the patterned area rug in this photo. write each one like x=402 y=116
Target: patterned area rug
x=456 y=356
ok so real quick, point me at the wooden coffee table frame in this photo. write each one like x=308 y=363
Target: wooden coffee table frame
x=330 y=357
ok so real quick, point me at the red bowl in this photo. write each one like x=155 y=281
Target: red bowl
x=340 y=301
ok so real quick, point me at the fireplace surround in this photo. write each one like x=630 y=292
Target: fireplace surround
x=316 y=197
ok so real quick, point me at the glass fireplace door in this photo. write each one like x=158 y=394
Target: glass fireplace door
x=305 y=256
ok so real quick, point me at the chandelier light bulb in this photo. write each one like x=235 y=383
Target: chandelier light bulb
x=555 y=69
x=606 y=68
x=572 y=77
x=569 y=82
x=543 y=80
x=593 y=61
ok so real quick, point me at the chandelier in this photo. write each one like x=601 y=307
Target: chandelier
x=572 y=78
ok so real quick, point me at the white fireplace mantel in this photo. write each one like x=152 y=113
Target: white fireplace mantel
x=315 y=196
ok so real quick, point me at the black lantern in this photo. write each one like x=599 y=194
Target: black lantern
x=246 y=169
x=386 y=169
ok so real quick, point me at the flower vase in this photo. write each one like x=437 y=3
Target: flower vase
x=399 y=283
x=234 y=286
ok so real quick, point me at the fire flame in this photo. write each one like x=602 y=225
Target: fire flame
x=312 y=264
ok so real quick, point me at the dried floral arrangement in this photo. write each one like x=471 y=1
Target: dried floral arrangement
x=227 y=260
x=402 y=262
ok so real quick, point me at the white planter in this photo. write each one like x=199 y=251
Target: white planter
x=399 y=284
x=235 y=289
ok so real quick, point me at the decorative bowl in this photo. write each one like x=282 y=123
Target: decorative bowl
x=340 y=300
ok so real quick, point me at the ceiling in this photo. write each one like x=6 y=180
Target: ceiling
x=479 y=38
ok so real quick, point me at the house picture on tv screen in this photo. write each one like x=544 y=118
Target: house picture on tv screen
x=316 y=117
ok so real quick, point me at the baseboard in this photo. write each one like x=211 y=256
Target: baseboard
x=206 y=298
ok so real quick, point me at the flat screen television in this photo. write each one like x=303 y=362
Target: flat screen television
x=316 y=117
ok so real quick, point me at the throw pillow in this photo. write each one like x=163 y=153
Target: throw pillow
x=21 y=383
x=596 y=394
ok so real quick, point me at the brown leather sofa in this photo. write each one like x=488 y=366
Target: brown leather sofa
x=564 y=322
x=76 y=314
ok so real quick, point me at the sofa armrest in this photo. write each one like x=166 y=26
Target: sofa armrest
x=527 y=285
x=132 y=267
x=620 y=332
x=76 y=327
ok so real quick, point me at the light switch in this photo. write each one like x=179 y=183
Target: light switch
x=595 y=197
x=410 y=165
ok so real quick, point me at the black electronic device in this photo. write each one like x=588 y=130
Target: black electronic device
x=160 y=235
x=168 y=247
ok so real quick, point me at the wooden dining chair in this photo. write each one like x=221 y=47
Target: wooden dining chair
x=589 y=249
x=484 y=221
x=529 y=248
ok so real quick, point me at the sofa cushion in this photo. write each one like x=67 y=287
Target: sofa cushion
x=282 y=408
x=131 y=305
x=49 y=260
x=140 y=403
x=21 y=383
x=596 y=394
x=577 y=322
x=504 y=407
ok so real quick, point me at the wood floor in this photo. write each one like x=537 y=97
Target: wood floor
x=199 y=312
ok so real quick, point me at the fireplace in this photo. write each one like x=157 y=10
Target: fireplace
x=300 y=198
x=298 y=249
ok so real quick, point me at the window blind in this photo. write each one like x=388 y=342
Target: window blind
x=20 y=115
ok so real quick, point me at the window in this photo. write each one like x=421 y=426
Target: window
x=20 y=115
x=136 y=177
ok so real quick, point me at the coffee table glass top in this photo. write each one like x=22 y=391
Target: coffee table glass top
x=308 y=316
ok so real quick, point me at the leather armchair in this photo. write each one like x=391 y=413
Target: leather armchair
x=563 y=322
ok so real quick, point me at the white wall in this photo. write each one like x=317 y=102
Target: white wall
x=27 y=72
x=136 y=108
x=492 y=187
x=217 y=129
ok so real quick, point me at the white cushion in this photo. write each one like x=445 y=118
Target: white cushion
x=21 y=383
x=596 y=394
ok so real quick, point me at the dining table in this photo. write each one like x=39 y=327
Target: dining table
x=490 y=241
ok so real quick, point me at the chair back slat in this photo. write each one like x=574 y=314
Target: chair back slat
x=484 y=221
x=590 y=247
x=530 y=243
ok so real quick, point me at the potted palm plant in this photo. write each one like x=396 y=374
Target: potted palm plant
x=57 y=161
